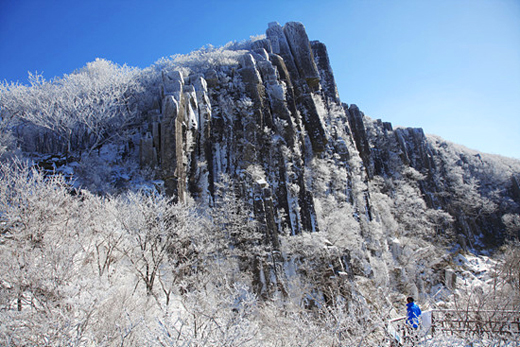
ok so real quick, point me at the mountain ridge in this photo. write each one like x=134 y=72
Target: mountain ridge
x=303 y=198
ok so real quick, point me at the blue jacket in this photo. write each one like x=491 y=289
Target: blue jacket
x=413 y=314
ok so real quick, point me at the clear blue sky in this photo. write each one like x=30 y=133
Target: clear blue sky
x=451 y=67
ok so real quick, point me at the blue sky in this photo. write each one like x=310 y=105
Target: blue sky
x=451 y=67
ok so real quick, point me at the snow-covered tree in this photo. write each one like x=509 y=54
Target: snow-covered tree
x=81 y=110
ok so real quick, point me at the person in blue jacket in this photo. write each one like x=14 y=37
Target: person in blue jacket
x=413 y=313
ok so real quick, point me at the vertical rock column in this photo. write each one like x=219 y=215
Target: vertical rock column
x=328 y=83
x=255 y=90
x=172 y=160
x=301 y=51
x=355 y=119
x=172 y=163
x=292 y=44
x=201 y=184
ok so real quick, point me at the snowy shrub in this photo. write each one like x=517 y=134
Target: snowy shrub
x=42 y=251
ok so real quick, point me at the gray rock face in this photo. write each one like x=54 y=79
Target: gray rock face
x=357 y=125
x=325 y=70
x=172 y=147
x=313 y=123
x=276 y=114
x=280 y=46
x=261 y=112
x=147 y=151
x=302 y=53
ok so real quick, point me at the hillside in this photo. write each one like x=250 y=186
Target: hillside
x=229 y=197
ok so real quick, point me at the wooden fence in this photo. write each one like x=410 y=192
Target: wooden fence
x=485 y=323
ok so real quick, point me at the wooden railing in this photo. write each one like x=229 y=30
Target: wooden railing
x=485 y=323
x=482 y=322
x=402 y=333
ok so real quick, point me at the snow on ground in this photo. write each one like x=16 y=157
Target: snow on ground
x=474 y=272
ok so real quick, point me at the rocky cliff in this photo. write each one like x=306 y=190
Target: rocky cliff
x=273 y=120
x=261 y=121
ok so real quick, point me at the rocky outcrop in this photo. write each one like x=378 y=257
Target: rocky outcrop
x=327 y=80
x=279 y=45
x=359 y=133
x=261 y=112
x=272 y=120
x=302 y=53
